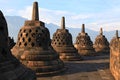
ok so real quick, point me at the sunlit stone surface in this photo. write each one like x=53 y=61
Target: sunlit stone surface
x=84 y=43
x=33 y=47
x=62 y=43
x=115 y=56
x=101 y=43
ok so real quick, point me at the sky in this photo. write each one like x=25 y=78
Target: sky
x=93 y=13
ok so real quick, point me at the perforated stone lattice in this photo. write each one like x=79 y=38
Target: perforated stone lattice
x=62 y=38
x=83 y=40
x=34 y=49
x=35 y=37
x=101 y=43
x=83 y=44
x=62 y=43
x=101 y=40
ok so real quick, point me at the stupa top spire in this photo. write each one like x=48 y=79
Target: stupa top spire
x=83 y=28
x=117 y=34
x=63 y=23
x=101 y=31
x=35 y=12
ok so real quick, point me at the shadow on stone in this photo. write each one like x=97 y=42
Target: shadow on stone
x=90 y=64
x=85 y=67
x=97 y=57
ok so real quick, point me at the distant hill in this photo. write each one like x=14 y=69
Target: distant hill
x=74 y=31
x=14 y=25
x=16 y=22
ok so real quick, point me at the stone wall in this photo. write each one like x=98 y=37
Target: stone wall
x=115 y=58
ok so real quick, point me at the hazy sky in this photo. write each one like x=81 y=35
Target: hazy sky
x=94 y=13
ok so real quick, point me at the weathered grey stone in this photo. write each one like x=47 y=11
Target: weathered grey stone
x=83 y=44
x=34 y=49
x=62 y=43
x=10 y=67
x=101 y=43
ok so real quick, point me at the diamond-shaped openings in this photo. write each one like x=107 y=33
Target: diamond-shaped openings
x=30 y=30
x=36 y=30
x=25 y=44
x=33 y=35
x=19 y=43
x=26 y=34
x=29 y=39
x=18 y=38
x=30 y=35
x=65 y=39
x=23 y=39
x=20 y=34
x=32 y=44
x=24 y=30
x=43 y=31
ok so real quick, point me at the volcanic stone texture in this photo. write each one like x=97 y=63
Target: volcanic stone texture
x=62 y=43
x=101 y=44
x=10 y=67
x=83 y=44
x=33 y=47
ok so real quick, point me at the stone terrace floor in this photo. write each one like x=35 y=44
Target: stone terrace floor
x=91 y=68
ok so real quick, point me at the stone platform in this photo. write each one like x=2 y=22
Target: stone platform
x=92 y=68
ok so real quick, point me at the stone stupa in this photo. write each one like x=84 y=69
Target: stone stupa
x=62 y=43
x=10 y=67
x=33 y=47
x=83 y=44
x=101 y=43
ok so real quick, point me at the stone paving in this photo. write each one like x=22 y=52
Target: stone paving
x=91 y=68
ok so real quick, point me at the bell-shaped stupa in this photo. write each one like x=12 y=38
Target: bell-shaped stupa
x=83 y=44
x=62 y=43
x=10 y=67
x=101 y=43
x=33 y=47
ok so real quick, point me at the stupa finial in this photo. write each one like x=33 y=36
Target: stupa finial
x=83 y=28
x=117 y=34
x=35 y=12
x=63 y=23
x=101 y=31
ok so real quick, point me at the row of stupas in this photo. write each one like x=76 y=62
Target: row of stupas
x=85 y=46
x=37 y=51
x=62 y=43
x=44 y=56
x=62 y=40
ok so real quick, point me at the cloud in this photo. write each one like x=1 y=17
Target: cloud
x=109 y=19
x=26 y=13
x=53 y=16
x=81 y=16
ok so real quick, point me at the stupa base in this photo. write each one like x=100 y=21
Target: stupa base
x=87 y=52
x=70 y=57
